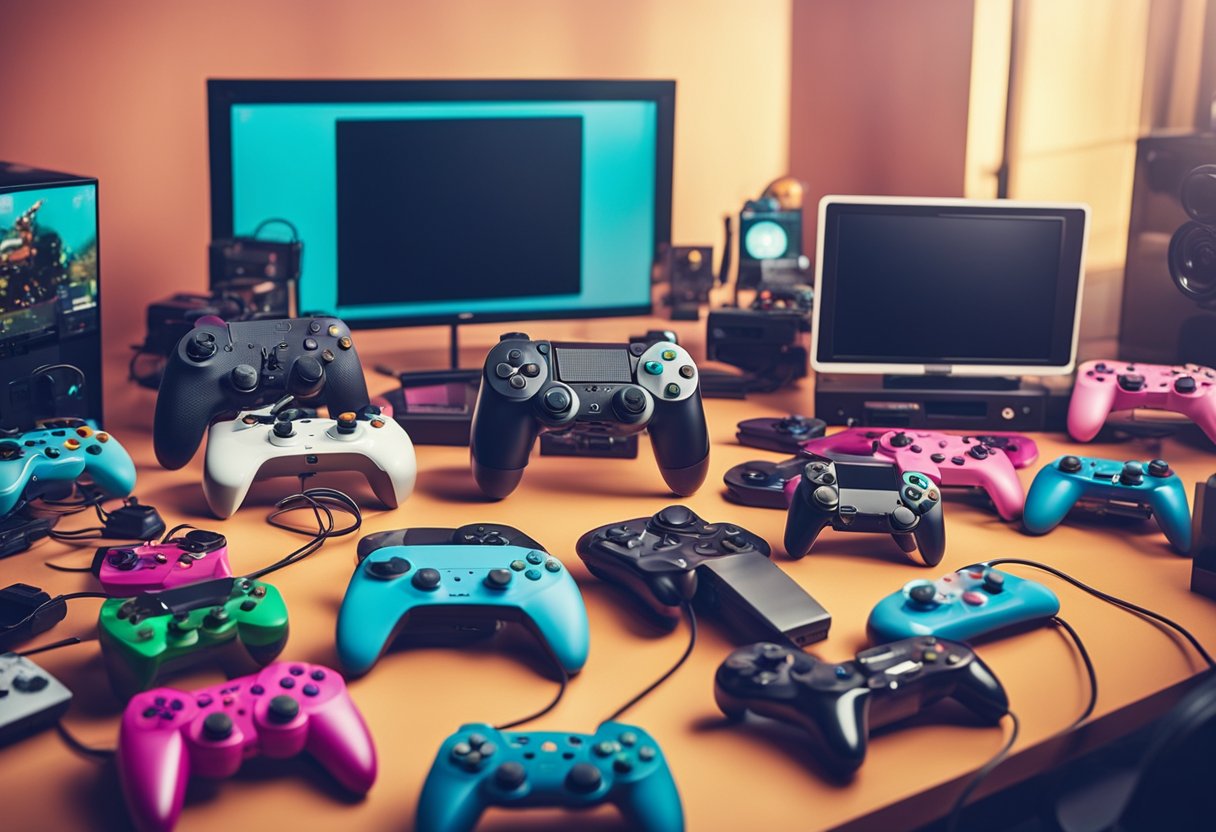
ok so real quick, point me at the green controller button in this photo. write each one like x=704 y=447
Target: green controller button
x=672 y=390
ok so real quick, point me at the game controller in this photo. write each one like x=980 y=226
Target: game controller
x=675 y=557
x=1103 y=387
x=219 y=369
x=238 y=621
x=1141 y=489
x=198 y=555
x=30 y=698
x=281 y=442
x=480 y=767
x=842 y=704
x=616 y=390
x=986 y=462
x=762 y=483
x=168 y=735
x=786 y=434
x=404 y=587
x=974 y=601
x=60 y=453
x=866 y=495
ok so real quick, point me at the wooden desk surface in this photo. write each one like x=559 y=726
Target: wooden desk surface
x=727 y=776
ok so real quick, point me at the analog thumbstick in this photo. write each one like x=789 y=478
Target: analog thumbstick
x=1070 y=464
x=629 y=401
x=217 y=727
x=347 y=423
x=201 y=346
x=306 y=376
x=283 y=430
x=1132 y=474
x=556 y=400
x=1159 y=468
x=922 y=592
x=282 y=709
x=244 y=378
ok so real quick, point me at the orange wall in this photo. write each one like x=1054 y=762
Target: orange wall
x=116 y=90
x=878 y=97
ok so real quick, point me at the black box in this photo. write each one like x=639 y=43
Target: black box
x=49 y=295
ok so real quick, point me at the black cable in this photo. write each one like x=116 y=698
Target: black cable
x=295 y=232
x=1089 y=669
x=1111 y=599
x=561 y=691
x=994 y=761
x=59 y=568
x=58 y=599
x=323 y=502
x=80 y=748
x=54 y=645
x=692 y=642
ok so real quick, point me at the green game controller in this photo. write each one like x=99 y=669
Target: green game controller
x=238 y=622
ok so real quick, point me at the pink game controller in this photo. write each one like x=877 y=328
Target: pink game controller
x=984 y=461
x=1106 y=386
x=168 y=735
x=196 y=556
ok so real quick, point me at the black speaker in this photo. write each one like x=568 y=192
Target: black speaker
x=1169 y=285
x=770 y=240
x=689 y=271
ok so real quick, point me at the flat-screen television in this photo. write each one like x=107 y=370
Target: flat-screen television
x=423 y=202
x=912 y=286
x=49 y=300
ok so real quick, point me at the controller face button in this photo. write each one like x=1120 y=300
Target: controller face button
x=583 y=778
x=52 y=453
x=552 y=565
x=287 y=683
x=334 y=330
x=622 y=764
x=282 y=709
x=902 y=517
x=426 y=579
x=628 y=739
x=937 y=457
x=1070 y=464
x=957 y=460
x=311 y=690
x=535 y=557
x=310 y=344
x=929 y=656
x=518 y=565
x=515 y=356
x=72 y=444
x=669 y=355
x=532 y=574
x=257 y=690
x=530 y=370
x=476 y=741
x=654 y=368
x=605 y=748
x=915 y=448
x=543 y=349
x=510 y=776
x=518 y=382
x=248 y=606
x=344 y=343
x=318 y=675
x=314 y=327
x=953 y=659
x=974 y=599
x=913 y=493
x=687 y=371
x=93 y=449
x=503 y=370
x=461 y=749
x=672 y=390
x=647 y=753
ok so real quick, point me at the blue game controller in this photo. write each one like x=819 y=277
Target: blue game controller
x=1143 y=489
x=961 y=606
x=61 y=452
x=479 y=767
x=468 y=582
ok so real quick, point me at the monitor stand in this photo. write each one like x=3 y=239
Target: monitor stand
x=435 y=406
x=938 y=402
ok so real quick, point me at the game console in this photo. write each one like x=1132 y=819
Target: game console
x=480 y=767
x=284 y=442
x=762 y=483
x=1103 y=387
x=26 y=611
x=533 y=386
x=841 y=705
x=60 y=453
x=198 y=555
x=218 y=368
x=986 y=462
x=240 y=622
x=30 y=698
x=424 y=584
x=1143 y=489
x=866 y=495
x=675 y=557
x=18 y=533
x=170 y=736
x=786 y=434
x=964 y=605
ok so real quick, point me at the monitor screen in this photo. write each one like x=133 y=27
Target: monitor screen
x=965 y=286
x=442 y=201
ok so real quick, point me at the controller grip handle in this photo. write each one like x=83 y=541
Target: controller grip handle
x=153 y=767
x=803 y=522
x=680 y=441
x=500 y=440
x=981 y=692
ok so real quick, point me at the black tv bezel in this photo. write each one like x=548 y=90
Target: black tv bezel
x=223 y=94
x=1066 y=324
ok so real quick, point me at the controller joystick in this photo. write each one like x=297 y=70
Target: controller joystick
x=869 y=496
x=264 y=444
x=200 y=346
x=530 y=387
x=480 y=767
x=306 y=378
x=1111 y=486
x=168 y=735
x=472 y=578
x=675 y=557
x=1188 y=391
x=841 y=704
x=244 y=378
x=971 y=603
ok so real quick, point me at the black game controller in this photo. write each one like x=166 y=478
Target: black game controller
x=474 y=534
x=219 y=369
x=840 y=704
x=864 y=494
x=675 y=557
x=762 y=483
x=612 y=389
x=785 y=434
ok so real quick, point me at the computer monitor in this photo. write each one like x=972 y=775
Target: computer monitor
x=424 y=202
x=49 y=302
x=909 y=286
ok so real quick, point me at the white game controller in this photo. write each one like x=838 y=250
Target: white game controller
x=286 y=442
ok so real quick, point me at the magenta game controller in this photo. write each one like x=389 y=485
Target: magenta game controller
x=1103 y=387
x=987 y=462
x=169 y=735
x=197 y=555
